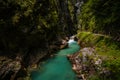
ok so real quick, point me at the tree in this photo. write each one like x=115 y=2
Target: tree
x=101 y=16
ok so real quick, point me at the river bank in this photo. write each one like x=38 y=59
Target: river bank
x=80 y=62
x=97 y=59
x=86 y=64
x=18 y=66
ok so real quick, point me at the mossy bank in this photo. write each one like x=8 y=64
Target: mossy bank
x=107 y=49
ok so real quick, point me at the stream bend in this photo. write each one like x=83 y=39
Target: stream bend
x=58 y=67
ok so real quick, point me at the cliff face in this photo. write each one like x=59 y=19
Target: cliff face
x=30 y=31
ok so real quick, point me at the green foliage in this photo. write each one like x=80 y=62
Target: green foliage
x=101 y=16
x=25 y=24
x=94 y=77
x=107 y=48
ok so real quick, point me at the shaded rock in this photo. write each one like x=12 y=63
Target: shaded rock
x=8 y=67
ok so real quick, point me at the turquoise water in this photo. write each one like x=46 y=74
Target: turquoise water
x=58 y=67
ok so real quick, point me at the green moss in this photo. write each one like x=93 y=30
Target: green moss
x=94 y=77
x=107 y=48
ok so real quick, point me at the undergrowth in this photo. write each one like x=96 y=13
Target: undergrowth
x=107 y=48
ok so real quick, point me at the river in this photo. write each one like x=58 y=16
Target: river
x=58 y=67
